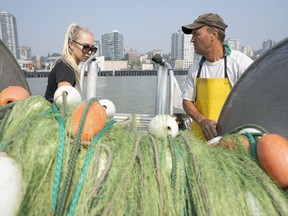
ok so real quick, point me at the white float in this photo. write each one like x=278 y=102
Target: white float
x=163 y=125
x=10 y=185
x=109 y=107
x=73 y=96
x=214 y=140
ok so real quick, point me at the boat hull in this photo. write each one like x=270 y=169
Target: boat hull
x=260 y=96
x=10 y=71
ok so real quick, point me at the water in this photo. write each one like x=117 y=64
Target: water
x=130 y=94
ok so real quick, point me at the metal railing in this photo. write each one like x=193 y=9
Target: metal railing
x=164 y=69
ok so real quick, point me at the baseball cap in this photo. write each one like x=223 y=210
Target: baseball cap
x=210 y=19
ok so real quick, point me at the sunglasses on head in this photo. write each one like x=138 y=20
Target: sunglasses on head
x=86 y=48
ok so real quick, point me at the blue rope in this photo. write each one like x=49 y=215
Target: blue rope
x=85 y=168
x=60 y=153
x=253 y=145
x=71 y=165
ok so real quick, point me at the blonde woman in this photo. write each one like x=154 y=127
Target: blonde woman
x=78 y=47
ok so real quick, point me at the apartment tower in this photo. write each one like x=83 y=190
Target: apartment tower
x=113 y=46
x=8 y=32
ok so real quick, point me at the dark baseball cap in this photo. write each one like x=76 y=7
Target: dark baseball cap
x=209 y=19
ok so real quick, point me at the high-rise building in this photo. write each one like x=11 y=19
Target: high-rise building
x=8 y=32
x=268 y=44
x=182 y=50
x=233 y=43
x=248 y=50
x=188 y=52
x=177 y=45
x=113 y=45
x=98 y=45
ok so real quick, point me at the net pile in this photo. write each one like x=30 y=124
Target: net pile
x=123 y=171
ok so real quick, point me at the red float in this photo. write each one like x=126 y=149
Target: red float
x=272 y=151
x=12 y=94
x=94 y=123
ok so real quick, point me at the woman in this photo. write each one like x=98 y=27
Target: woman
x=78 y=46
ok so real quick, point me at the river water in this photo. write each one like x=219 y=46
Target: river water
x=130 y=94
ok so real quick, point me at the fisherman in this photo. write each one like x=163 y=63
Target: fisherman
x=211 y=77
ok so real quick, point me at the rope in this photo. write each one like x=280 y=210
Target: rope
x=127 y=170
x=3 y=123
x=174 y=162
x=85 y=168
x=198 y=174
x=157 y=164
x=105 y=171
x=250 y=136
x=6 y=113
x=75 y=149
x=8 y=106
x=178 y=156
x=60 y=153
x=253 y=145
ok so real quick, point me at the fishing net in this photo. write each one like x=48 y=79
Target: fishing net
x=126 y=171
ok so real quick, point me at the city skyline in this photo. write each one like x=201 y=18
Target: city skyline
x=146 y=26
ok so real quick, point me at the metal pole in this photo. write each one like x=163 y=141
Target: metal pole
x=92 y=80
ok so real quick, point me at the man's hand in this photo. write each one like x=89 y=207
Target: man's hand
x=208 y=128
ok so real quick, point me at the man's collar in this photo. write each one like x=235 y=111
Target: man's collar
x=227 y=50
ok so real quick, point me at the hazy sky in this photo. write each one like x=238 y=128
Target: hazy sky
x=145 y=25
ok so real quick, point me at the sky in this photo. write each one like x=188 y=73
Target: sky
x=145 y=25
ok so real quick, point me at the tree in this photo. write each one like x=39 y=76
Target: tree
x=136 y=64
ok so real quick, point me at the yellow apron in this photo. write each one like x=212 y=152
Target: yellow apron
x=211 y=94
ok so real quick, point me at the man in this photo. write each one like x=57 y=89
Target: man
x=210 y=78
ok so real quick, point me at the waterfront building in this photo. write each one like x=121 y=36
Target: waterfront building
x=51 y=60
x=133 y=57
x=182 y=51
x=146 y=62
x=268 y=44
x=100 y=63
x=26 y=65
x=147 y=66
x=233 y=43
x=177 y=64
x=154 y=52
x=115 y=65
x=113 y=45
x=177 y=41
x=248 y=50
x=188 y=52
x=25 y=53
x=8 y=32
x=98 y=45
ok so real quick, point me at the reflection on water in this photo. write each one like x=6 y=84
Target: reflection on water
x=130 y=94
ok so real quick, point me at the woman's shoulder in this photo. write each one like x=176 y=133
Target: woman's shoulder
x=61 y=65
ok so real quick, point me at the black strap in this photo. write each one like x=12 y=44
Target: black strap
x=201 y=64
x=225 y=66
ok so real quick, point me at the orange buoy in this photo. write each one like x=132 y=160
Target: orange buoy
x=12 y=94
x=94 y=123
x=272 y=151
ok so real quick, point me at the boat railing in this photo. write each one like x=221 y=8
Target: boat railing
x=164 y=69
x=164 y=90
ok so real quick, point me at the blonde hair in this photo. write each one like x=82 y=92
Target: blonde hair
x=72 y=33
